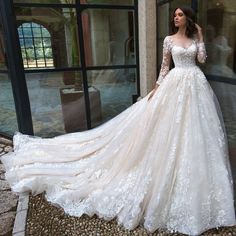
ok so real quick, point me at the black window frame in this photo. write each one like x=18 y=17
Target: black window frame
x=34 y=38
x=23 y=110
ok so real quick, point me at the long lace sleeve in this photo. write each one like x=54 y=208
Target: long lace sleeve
x=201 y=52
x=165 y=65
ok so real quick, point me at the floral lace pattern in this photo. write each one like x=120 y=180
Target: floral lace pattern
x=166 y=57
x=162 y=162
x=180 y=54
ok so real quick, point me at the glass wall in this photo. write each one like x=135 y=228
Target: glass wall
x=114 y=88
x=48 y=37
x=115 y=2
x=46 y=1
x=36 y=45
x=110 y=2
x=8 y=121
x=218 y=22
x=111 y=37
x=48 y=102
x=218 y=19
x=79 y=60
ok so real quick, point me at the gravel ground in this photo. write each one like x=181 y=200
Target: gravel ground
x=49 y=220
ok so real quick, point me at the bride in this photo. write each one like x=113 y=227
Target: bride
x=162 y=163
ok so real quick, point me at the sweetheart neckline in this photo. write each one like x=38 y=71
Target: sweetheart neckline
x=175 y=45
x=181 y=46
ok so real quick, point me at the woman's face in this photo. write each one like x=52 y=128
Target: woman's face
x=179 y=18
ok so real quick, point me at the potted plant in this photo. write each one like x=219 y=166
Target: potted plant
x=72 y=94
x=73 y=106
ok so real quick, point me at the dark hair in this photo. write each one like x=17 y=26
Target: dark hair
x=191 y=29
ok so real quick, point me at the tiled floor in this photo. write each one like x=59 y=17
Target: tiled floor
x=46 y=106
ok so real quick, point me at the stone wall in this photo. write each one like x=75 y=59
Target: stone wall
x=147 y=45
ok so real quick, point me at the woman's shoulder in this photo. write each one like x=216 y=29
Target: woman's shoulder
x=168 y=37
x=168 y=40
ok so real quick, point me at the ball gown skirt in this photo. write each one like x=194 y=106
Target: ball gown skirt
x=162 y=163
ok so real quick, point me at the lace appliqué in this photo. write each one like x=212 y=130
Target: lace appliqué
x=165 y=60
x=201 y=53
x=168 y=44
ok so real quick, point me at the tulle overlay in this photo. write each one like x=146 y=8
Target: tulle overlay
x=162 y=163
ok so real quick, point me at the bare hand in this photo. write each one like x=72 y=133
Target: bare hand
x=152 y=93
x=198 y=27
x=199 y=32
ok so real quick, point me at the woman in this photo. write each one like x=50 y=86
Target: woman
x=163 y=162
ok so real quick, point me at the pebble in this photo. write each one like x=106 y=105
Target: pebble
x=5 y=141
x=4 y=185
x=8 y=149
x=53 y=221
x=2 y=153
x=2 y=176
x=2 y=169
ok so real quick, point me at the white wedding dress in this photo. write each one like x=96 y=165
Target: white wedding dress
x=162 y=163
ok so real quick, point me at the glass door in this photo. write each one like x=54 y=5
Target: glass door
x=218 y=20
x=80 y=61
x=8 y=119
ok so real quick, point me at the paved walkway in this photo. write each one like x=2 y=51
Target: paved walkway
x=8 y=200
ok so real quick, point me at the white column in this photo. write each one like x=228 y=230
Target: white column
x=147 y=45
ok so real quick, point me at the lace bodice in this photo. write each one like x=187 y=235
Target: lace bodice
x=182 y=57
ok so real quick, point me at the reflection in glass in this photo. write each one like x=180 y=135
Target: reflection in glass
x=110 y=2
x=48 y=37
x=8 y=121
x=110 y=93
x=2 y=48
x=73 y=102
x=35 y=42
x=109 y=37
x=163 y=28
x=57 y=102
x=219 y=53
x=226 y=94
x=46 y=1
x=218 y=20
x=177 y=3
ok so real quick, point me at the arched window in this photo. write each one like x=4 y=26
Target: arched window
x=36 y=47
